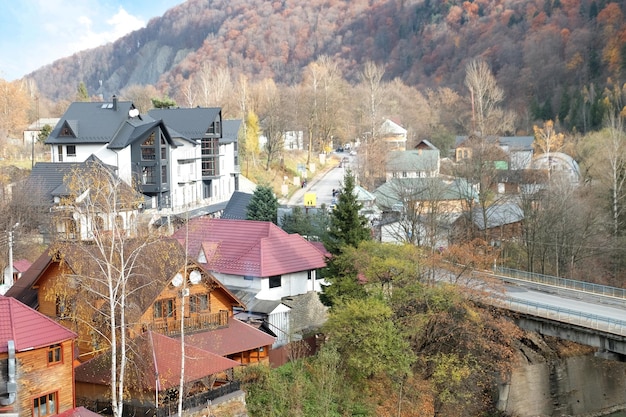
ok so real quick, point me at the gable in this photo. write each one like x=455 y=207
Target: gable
x=28 y=328
x=249 y=248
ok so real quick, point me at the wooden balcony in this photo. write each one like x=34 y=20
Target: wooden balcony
x=195 y=323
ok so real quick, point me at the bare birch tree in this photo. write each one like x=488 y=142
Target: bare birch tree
x=109 y=267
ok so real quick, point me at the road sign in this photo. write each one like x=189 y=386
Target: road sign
x=309 y=199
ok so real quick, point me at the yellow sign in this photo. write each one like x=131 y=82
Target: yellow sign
x=309 y=199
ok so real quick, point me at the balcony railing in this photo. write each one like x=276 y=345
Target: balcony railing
x=201 y=322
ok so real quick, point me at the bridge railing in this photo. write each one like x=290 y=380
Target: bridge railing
x=562 y=282
x=564 y=315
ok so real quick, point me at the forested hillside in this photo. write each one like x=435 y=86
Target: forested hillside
x=551 y=57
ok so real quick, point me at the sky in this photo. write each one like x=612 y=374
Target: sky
x=34 y=33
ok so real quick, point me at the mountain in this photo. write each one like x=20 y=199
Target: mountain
x=543 y=52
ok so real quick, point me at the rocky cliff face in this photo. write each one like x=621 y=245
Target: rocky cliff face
x=558 y=378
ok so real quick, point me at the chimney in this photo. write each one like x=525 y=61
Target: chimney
x=114 y=102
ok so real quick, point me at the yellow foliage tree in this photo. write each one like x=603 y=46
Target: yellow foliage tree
x=547 y=139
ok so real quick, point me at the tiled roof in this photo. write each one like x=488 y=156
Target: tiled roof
x=246 y=247
x=192 y=123
x=236 y=337
x=28 y=328
x=158 y=356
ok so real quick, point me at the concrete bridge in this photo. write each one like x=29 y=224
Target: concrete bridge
x=590 y=314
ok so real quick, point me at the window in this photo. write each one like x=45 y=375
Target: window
x=60 y=151
x=71 y=150
x=46 y=405
x=148 y=153
x=164 y=174
x=199 y=303
x=163 y=148
x=65 y=131
x=54 y=354
x=148 y=175
x=165 y=308
x=275 y=281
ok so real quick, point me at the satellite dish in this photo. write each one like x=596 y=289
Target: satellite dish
x=178 y=280
x=195 y=277
x=133 y=112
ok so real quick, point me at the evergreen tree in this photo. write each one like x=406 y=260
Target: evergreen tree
x=163 y=103
x=313 y=226
x=81 y=92
x=347 y=225
x=263 y=205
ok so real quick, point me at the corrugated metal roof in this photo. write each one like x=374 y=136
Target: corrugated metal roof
x=230 y=130
x=236 y=337
x=158 y=356
x=246 y=247
x=79 y=412
x=413 y=160
x=28 y=328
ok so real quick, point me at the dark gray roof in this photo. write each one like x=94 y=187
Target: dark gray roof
x=47 y=179
x=191 y=123
x=91 y=122
x=237 y=207
x=230 y=130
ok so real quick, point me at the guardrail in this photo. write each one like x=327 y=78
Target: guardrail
x=564 y=315
x=562 y=282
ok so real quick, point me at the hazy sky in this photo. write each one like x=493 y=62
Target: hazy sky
x=34 y=33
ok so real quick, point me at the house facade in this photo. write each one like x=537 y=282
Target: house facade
x=36 y=362
x=258 y=260
x=170 y=301
x=178 y=158
x=415 y=163
x=393 y=135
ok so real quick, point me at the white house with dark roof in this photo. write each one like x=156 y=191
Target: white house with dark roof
x=179 y=158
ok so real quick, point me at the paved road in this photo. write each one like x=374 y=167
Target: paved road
x=322 y=185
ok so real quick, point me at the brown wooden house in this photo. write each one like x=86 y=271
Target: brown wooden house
x=165 y=291
x=36 y=362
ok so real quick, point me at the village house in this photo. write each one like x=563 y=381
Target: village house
x=167 y=295
x=257 y=261
x=180 y=159
x=36 y=362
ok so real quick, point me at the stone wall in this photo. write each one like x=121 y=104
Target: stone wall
x=582 y=385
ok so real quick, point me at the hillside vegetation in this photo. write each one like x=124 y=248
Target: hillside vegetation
x=551 y=57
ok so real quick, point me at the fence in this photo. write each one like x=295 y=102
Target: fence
x=562 y=282
x=171 y=408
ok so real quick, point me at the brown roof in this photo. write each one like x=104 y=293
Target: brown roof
x=236 y=337
x=22 y=289
x=158 y=356
x=247 y=247
x=28 y=328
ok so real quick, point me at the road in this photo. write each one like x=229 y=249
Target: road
x=323 y=184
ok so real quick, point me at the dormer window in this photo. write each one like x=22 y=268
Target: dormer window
x=66 y=131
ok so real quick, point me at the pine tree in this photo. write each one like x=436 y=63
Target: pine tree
x=347 y=225
x=263 y=205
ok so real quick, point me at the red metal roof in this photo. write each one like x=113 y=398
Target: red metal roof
x=247 y=247
x=21 y=265
x=158 y=355
x=27 y=327
x=79 y=412
x=236 y=337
